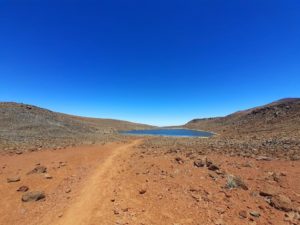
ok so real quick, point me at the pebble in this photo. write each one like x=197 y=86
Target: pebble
x=255 y=214
x=13 y=179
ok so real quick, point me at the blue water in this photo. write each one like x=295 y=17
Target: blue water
x=169 y=132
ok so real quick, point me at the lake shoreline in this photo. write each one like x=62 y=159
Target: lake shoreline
x=169 y=132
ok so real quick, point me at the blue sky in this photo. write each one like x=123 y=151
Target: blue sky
x=156 y=62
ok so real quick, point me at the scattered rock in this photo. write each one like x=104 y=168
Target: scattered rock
x=61 y=164
x=243 y=214
x=292 y=217
x=142 y=191
x=48 y=176
x=268 y=191
x=206 y=162
x=13 y=179
x=179 y=160
x=274 y=176
x=213 y=167
x=33 y=196
x=246 y=165
x=38 y=169
x=23 y=188
x=263 y=158
x=281 y=202
x=254 y=214
x=199 y=163
x=295 y=157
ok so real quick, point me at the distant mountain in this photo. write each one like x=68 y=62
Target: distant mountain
x=23 y=126
x=282 y=116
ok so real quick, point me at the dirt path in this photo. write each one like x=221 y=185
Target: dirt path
x=118 y=184
x=80 y=186
x=93 y=202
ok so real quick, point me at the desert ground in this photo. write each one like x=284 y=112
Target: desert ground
x=124 y=183
x=231 y=178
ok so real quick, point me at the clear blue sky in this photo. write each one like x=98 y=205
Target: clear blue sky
x=157 y=62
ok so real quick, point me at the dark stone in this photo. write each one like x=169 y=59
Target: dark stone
x=142 y=191
x=199 y=163
x=33 y=196
x=179 y=160
x=23 y=189
x=38 y=169
x=213 y=167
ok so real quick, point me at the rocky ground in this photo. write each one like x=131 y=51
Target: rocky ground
x=279 y=118
x=246 y=146
x=128 y=183
x=184 y=188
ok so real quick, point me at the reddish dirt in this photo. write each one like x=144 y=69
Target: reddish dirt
x=123 y=184
x=77 y=176
x=180 y=193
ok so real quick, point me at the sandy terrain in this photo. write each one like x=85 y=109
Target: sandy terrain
x=123 y=183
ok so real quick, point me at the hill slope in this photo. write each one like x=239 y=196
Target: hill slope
x=279 y=117
x=26 y=126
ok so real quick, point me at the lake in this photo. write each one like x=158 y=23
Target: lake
x=169 y=132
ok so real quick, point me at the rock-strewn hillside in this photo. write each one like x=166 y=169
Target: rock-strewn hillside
x=272 y=130
x=29 y=127
x=280 y=117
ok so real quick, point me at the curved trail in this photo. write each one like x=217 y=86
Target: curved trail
x=93 y=203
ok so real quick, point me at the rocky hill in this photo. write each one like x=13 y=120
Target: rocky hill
x=279 y=117
x=29 y=127
x=271 y=130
